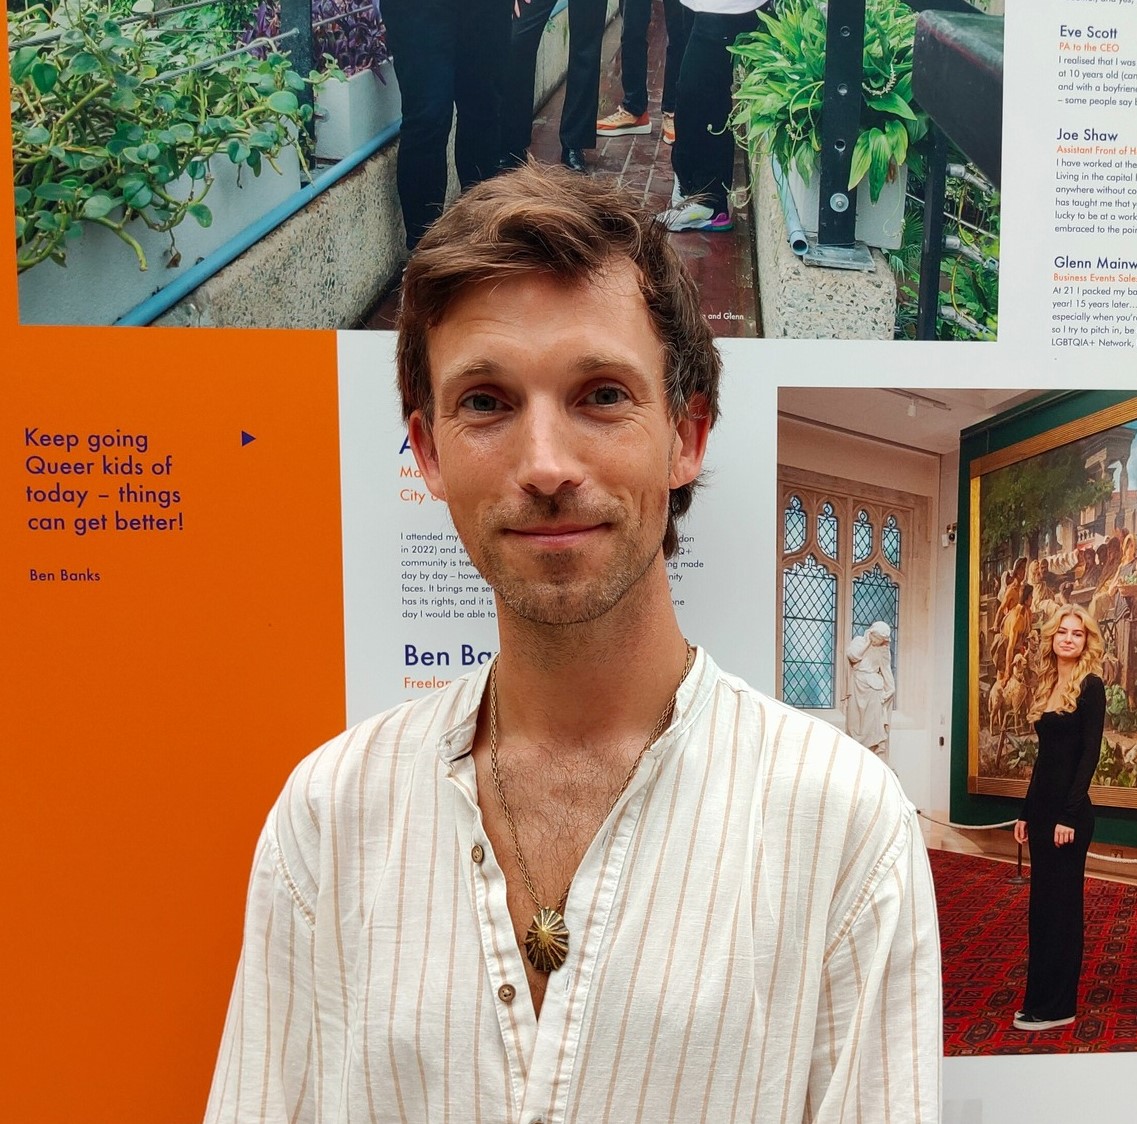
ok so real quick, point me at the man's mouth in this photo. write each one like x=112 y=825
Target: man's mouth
x=546 y=529
x=556 y=534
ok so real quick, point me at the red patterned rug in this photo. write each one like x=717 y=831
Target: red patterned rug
x=983 y=935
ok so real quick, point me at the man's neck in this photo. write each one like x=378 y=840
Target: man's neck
x=594 y=683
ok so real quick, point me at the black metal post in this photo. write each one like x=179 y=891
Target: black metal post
x=298 y=14
x=935 y=186
x=840 y=121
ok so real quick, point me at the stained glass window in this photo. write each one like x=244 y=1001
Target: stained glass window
x=862 y=536
x=890 y=541
x=809 y=634
x=876 y=597
x=844 y=570
x=794 y=527
x=827 y=530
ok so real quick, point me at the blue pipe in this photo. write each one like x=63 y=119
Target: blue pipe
x=184 y=284
x=795 y=234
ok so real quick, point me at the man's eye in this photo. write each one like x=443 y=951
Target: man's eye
x=606 y=396
x=480 y=402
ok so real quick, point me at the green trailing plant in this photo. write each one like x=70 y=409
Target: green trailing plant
x=969 y=287
x=966 y=285
x=237 y=14
x=778 y=102
x=112 y=120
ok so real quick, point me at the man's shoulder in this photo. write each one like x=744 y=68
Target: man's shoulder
x=806 y=757
x=826 y=803
x=769 y=723
x=389 y=744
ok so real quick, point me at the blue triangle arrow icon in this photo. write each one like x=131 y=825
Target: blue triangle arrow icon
x=246 y=438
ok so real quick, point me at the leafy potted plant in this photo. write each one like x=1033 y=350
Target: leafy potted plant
x=366 y=100
x=362 y=97
x=124 y=128
x=778 y=107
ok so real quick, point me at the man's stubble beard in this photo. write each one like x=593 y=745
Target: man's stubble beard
x=561 y=599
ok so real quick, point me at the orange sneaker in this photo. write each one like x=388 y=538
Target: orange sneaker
x=621 y=123
x=669 y=128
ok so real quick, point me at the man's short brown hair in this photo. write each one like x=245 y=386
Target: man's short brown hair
x=546 y=219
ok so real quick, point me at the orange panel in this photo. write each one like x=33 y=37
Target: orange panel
x=163 y=672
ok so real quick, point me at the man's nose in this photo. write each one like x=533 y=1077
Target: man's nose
x=549 y=458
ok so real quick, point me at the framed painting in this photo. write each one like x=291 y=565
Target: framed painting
x=1053 y=522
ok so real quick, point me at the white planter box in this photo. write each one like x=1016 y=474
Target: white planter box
x=349 y=113
x=878 y=224
x=101 y=280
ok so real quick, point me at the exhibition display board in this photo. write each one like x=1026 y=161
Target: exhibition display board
x=218 y=552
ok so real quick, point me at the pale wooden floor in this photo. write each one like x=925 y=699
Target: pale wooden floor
x=999 y=845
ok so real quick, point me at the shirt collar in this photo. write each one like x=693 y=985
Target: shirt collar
x=458 y=739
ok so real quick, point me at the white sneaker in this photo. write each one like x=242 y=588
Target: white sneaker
x=692 y=215
x=621 y=123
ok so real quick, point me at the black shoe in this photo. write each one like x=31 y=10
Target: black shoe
x=574 y=158
x=1024 y=1021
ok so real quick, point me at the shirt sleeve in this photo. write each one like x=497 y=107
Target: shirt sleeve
x=264 y=1065
x=1091 y=724
x=879 y=1037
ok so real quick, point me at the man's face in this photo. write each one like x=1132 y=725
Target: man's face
x=552 y=441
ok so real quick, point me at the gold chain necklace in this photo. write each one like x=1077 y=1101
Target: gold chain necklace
x=547 y=941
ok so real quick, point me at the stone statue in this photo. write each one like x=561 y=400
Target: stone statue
x=868 y=709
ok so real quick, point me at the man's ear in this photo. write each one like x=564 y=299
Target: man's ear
x=426 y=454
x=691 y=431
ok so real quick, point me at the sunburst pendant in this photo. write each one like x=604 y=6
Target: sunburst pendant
x=546 y=943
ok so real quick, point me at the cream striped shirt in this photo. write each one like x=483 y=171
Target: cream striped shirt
x=753 y=937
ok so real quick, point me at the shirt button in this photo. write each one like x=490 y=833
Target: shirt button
x=476 y=853
x=506 y=993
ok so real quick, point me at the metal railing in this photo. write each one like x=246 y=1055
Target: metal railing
x=126 y=21
x=165 y=13
x=957 y=77
x=940 y=241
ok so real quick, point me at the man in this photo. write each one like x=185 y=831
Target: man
x=448 y=57
x=630 y=117
x=1016 y=626
x=586 y=20
x=600 y=879
x=1011 y=592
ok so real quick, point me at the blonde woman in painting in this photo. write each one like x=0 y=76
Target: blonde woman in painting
x=1068 y=712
